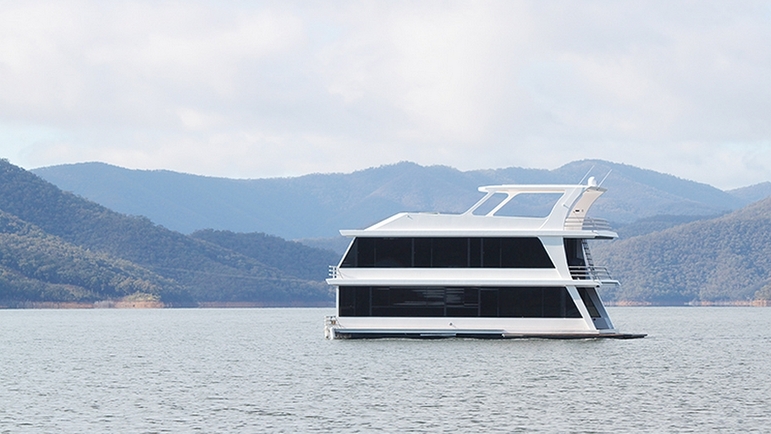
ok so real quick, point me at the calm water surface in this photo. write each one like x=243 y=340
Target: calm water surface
x=269 y=370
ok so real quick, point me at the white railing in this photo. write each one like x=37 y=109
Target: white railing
x=590 y=273
x=587 y=224
x=333 y=272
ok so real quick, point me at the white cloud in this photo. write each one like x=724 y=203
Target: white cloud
x=282 y=88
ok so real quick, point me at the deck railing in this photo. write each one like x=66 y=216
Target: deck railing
x=587 y=224
x=577 y=272
x=590 y=273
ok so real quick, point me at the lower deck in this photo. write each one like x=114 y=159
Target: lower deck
x=478 y=312
x=339 y=333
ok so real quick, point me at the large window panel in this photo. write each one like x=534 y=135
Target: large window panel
x=410 y=302
x=347 y=301
x=488 y=302
x=475 y=252
x=530 y=302
x=491 y=252
x=553 y=303
x=450 y=253
x=393 y=252
x=422 y=254
x=447 y=252
x=524 y=253
x=506 y=302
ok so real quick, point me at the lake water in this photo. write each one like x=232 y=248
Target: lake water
x=701 y=369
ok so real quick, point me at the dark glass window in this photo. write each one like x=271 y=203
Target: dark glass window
x=450 y=253
x=355 y=301
x=363 y=303
x=491 y=252
x=422 y=256
x=393 y=252
x=347 y=300
x=462 y=302
x=363 y=250
x=553 y=304
x=475 y=252
x=531 y=302
x=447 y=252
x=574 y=252
x=509 y=302
x=488 y=302
x=587 y=299
x=524 y=253
x=410 y=302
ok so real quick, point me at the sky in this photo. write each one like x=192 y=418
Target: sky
x=256 y=89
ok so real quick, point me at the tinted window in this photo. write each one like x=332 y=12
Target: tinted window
x=488 y=302
x=491 y=252
x=587 y=299
x=458 y=252
x=524 y=253
x=393 y=252
x=450 y=252
x=532 y=302
x=404 y=301
x=347 y=301
x=422 y=255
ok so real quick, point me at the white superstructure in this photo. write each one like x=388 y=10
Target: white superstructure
x=489 y=272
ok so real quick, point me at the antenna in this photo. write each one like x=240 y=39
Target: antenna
x=587 y=174
x=606 y=177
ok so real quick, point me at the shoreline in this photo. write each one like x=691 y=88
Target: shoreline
x=109 y=304
x=746 y=303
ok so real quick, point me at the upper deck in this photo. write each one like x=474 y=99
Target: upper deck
x=489 y=217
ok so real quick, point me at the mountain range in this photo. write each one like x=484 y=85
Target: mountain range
x=59 y=247
x=186 y=240
x=319 y=205
x=722 y=259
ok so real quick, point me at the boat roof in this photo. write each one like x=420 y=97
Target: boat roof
x=489 y=216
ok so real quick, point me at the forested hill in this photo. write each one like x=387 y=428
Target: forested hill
x=55 y=246
x=36 y=267
x=727 y=258
x=291 y=257
x=321 y=204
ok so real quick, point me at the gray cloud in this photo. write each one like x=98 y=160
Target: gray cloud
x=281 y=88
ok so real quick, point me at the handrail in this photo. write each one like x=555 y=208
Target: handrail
x=581 y=272
x=587 y=224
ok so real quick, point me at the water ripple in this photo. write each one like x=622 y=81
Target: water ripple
x=269 y=370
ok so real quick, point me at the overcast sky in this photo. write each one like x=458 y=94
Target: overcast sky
x=260 y=89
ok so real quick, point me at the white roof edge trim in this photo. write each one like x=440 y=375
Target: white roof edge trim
x=531 y=188
x=477 y=233
x=466 y=282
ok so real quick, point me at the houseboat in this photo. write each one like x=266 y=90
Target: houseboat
x=515 y=265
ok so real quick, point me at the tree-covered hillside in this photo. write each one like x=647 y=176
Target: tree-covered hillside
x=35 y=266
x=753 y=193
x=656 y=223
x=722 y=259
x=291 y=257
x=185 y=267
